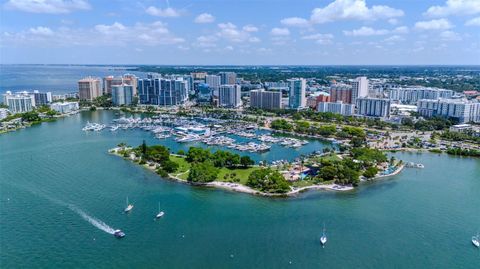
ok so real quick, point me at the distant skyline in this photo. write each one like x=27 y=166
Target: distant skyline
x=227 y=32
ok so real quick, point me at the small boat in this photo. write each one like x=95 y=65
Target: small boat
x=476 y=240
x=129 y=207
x=160 y=213
x=323 y=239
x=119 y=234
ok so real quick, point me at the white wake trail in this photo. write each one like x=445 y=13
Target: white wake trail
x=95 y=222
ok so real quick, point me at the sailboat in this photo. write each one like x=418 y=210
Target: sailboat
x=129 y=207
x=160 y=213
x=323 y=239
x=476 y=240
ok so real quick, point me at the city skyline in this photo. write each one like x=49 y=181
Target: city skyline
x=331 y=32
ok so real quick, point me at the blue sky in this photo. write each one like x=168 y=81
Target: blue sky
x=315 y=32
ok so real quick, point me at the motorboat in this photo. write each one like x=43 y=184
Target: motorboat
x=476 y=240
x=119 y=234
x=128 y=208
x=160 y=213
x=323 y=238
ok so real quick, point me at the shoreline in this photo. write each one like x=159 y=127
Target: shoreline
x=236 y=187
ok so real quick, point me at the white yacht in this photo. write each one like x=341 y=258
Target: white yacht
x=476 y=240
x=323 y=239
x=119 y=234
x=160 y=213
x=129 y=207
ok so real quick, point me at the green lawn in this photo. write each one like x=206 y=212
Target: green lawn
x=302 y=183
x=242 y=174
x=183 y=164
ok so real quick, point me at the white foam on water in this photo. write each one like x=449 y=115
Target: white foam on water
x=95 y=222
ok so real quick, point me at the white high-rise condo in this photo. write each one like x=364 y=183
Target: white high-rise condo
x=373 y=107
x=359 y=88
x=297 y=98
x=460 y=109
x=266 y=99
x=229 y=96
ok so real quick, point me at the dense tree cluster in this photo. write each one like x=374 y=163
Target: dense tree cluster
x=464 y=152
x=158 y=154
x=268 y=180
x=344 y=171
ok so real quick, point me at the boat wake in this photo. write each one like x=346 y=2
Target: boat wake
x=95 y=222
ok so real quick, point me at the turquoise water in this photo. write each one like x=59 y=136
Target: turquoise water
x=52 y=174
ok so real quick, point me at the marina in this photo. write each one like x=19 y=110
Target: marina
x=209 y=131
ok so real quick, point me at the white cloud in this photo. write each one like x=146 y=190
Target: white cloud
x=159 y=12
x=280 y=32
x=393 y=39
x=450 y=36
x=473 y=22
x=366 y=31
x=250 y=28
x=353 y=10
x=40 y=30
x=440 y=24
x=322 y=39
x=295 y=22
x=254 y=39
x=393 y=21
x=401 y=30
x=204 y=18
x=455 y=7
x=116 y=34
x=48 y=6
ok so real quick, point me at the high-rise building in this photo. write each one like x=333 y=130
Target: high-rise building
x=204 y=94
x=132 y=80
x=266 y=99
x=373 y=107
x=359 y=89
x=109 y=82
x=336 y=107
x=3 y=113
x=122 y=95
x=214 y=83
x=341 y=92
x=411 y=95
x=229 y=96
x=42 y=98
x=228 y=78
x=89 y=88
x=460 y=109
x=163 y=92
x=19 y=103
x=297 y=98
x=199 y=75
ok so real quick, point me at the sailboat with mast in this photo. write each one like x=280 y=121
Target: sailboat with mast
x=160 y=212
x=323 y=238
x=129 y=207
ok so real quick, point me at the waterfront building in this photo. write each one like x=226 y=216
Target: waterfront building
x=266 y=99
x=109 y=82
x=122 y=94
x=359 y=89
x=341 y=92
x=296 y=97
x=89 y=88
x=411 y=95
x=3 y=113
x=19 y=102
x=64 y=107
x=165 y=92
x=316 y=98
x=132 y=80
x=42 y=98
x=228 y=78
x=373 y=107
x=204 y=94
x=57 y=97
x=229 y=96
x=460 y=109
x=336 y=107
